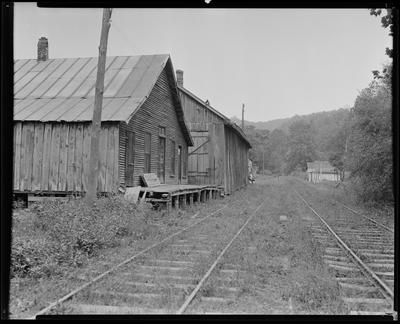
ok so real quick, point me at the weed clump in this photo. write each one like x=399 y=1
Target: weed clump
x=316 y=293
x=65 y=233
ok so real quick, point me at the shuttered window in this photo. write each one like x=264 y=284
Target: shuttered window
x=147 y=152
x=172 y=157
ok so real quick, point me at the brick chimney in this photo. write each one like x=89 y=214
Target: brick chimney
x=43 y=49
x=179 y=77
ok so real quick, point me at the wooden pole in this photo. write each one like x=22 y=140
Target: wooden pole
x=98 y=103
x=263 y=163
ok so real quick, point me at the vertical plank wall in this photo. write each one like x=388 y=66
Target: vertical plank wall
x=204 y=165
x=198 y=164
x=224 y=160
x=217 y=153
x=236 y=152
x=54 y=157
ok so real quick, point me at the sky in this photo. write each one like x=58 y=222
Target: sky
x=278 y=62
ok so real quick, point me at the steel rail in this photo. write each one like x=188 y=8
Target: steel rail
x=370 y=219
x=197 y=288
x=359 y=214
x=74 y=292
x=344 y=246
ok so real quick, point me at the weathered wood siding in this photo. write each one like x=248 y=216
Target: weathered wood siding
x=196 y=114
x=206 y=157
x=54 y=157
x=236 y=152
x=219 y=155
x=157 y=111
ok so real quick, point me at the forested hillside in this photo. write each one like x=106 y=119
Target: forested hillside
x=284 y=123
x=321 y=131
x=325 y=126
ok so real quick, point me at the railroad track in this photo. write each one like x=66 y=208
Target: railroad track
x=360 y=252
x=164 y=278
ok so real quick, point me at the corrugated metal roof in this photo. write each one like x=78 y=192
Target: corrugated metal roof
x=63 y=89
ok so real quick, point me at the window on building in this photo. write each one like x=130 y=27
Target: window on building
x=147 y=152
x=172 y=157
x=161 y=131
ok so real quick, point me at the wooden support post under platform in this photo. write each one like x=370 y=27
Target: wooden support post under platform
x=169 y=203
x=191 y=199
x=175 y=202
x=184 y=201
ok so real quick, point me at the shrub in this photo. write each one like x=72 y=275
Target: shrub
x=64 y=233
x=32 y=257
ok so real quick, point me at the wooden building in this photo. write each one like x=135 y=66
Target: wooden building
x=321 y=170
x=220 y=152
x=142 y=131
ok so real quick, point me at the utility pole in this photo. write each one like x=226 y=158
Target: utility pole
x=98 y=103
x=263 y=163
x=242 y=117
x=347 y=138
x=345 y=155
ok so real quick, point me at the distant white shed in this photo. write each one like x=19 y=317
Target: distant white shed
x=321 y=170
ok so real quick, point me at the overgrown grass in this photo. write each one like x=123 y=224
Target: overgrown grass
x=58 y=234
x=282 y=267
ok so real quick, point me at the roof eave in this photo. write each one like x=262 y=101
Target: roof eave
x=177 y=98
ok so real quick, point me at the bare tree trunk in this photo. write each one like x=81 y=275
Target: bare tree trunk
x=98 y=103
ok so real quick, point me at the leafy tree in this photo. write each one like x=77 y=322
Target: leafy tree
x=338 y=146
x=278 y=148
x=370 y=145
x=387 y=22
x=260 y=144
x=301 y=146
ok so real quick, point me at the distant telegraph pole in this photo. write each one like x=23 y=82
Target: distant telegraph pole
x=263 y=162
x=98 y=103
x=243 y=117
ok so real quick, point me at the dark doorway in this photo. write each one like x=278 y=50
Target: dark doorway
x=161 y=162
x=179 y=163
